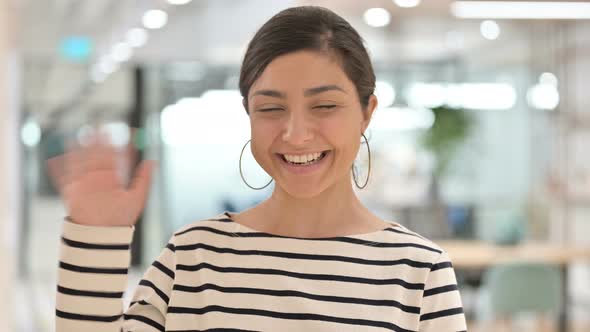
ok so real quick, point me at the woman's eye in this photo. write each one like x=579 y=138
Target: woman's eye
x=325 y=106
x=269 y=109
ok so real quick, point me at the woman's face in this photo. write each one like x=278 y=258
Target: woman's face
x=303 y=108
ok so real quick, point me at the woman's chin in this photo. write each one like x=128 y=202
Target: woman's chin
x=301 y=190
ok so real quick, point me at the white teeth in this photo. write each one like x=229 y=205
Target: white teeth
x=302 y=158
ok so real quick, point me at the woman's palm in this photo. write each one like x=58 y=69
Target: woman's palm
x=91 y=181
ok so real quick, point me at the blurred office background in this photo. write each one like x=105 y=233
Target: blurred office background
x=480 y=142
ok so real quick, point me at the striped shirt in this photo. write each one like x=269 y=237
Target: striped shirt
x=219 y=275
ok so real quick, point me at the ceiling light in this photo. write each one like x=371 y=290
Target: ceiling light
x=121 y=52
x=30 y=133
x=490 y=29
x=548 y=78
x=543 y=96
x=407 y=3
x=137 y=37
x=155 y=19
x=107 y=65
x=521 y=9
x=377 y=17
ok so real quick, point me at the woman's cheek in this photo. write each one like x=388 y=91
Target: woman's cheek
x=263 y=136
x=336 y=130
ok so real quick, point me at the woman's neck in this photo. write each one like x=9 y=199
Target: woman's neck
x=336 y=211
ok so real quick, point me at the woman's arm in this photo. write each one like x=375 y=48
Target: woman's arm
x=442 y=309
x=92 y=278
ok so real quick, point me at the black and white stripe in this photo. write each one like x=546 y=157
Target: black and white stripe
x=255 y=280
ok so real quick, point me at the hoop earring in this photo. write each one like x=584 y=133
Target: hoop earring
x=242 y=174
x=369 y=173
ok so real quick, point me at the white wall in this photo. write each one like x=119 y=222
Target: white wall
x=9 y=195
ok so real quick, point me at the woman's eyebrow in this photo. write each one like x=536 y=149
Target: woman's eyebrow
x=270 y=93
x=317 y=90
x=308 y=92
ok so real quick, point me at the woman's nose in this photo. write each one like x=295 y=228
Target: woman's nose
x=298 y=130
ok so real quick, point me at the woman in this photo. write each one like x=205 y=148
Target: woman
x=309 y=258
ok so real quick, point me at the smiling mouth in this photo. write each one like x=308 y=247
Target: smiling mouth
x=322 y=155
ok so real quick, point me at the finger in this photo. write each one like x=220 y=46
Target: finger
x=101 y=158
x=126 y=162
x=103 y=137
x=73 y=161
x=130 y=160
x=87 y=156
x=95 y=137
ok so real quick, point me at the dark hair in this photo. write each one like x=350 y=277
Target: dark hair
x=309 y=28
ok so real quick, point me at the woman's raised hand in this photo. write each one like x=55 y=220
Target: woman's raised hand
x=92 y=181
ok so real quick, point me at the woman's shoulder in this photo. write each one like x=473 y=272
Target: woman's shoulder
x=414 y=241
x=218 y=224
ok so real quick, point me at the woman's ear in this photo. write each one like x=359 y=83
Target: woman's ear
x=368 y=113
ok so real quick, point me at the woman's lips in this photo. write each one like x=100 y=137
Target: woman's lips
x=304 y=169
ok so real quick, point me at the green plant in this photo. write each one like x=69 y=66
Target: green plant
x=451 y=127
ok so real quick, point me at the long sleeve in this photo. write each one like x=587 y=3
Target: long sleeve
x=92 y=278
x=441 y=309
